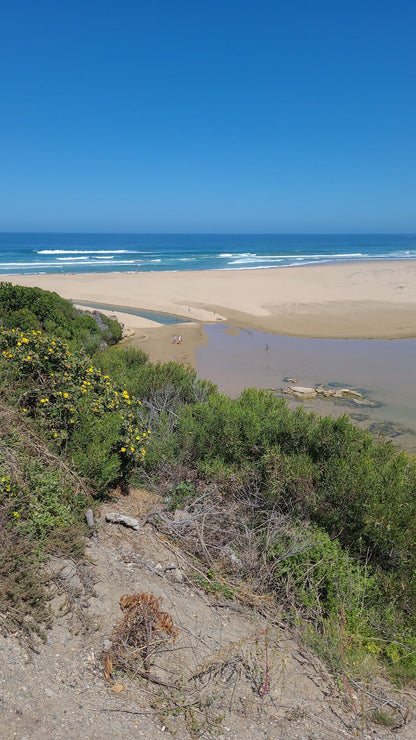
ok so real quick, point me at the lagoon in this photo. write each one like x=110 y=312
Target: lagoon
x=385 y=371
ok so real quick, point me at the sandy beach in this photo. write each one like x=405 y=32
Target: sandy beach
x=373 y=300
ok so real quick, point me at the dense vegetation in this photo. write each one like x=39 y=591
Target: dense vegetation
x=35 y=309
x=317 y=512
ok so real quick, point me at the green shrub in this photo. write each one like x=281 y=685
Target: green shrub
x=32 y=308
x=87 y=417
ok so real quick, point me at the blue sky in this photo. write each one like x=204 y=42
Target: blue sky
x=190 y=116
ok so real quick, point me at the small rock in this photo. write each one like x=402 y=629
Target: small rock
x=177 y=575
x=126 y=521
x=231 y=554
x=107 y=644
x=90 y=518
x=300 y=391
x=50 y=693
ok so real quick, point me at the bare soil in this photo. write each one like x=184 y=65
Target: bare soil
x=232 y=672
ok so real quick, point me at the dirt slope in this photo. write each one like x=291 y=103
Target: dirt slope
x=239 y=675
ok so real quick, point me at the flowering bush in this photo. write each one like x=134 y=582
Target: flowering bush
x=87 y=416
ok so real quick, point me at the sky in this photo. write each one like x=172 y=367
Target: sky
x=242 y=116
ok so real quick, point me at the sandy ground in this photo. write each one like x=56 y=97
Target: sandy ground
x=157 y=340
x=374 y=300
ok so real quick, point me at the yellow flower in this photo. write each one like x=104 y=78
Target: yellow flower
x=123 y=449
x=66 y=395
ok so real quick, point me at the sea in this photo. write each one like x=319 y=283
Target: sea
x=25 y=253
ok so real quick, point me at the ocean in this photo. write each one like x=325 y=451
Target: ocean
x=78 y=253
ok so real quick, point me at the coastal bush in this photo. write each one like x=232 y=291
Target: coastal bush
x=42 y=511
x=320 y=577
x=153 y=382
x=358 y=489
x=88 y=418
x=32 y=308
x=164 y=389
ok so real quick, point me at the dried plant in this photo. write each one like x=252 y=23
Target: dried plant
x=142 y=632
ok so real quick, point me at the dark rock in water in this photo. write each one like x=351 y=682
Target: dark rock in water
x=290 y=380
x=390 y=429
x=359 y=417
x=354 y=402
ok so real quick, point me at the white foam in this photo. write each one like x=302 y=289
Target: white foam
x=255 y=260
x=72 y=259
x=86 y=251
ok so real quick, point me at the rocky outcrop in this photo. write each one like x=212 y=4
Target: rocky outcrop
x=308 y=393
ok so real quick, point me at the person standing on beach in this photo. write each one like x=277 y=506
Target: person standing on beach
x=174 y=339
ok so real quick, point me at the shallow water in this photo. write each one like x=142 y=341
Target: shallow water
x=162 y=318
x=385 y=371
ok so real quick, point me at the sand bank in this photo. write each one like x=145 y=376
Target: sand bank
x=373 y=300
x=160 y=342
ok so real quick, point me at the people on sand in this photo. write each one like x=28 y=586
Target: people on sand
x=174 y=339
x=179 y=340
